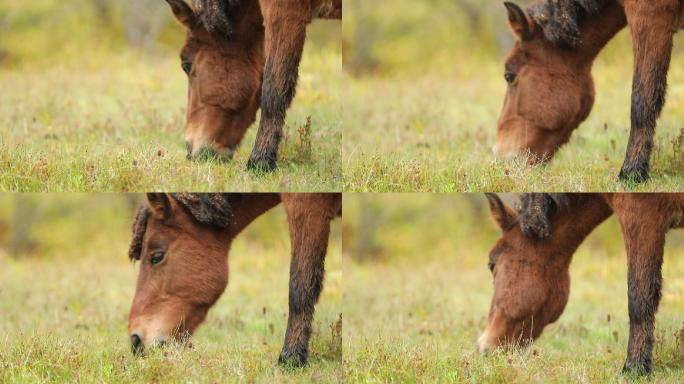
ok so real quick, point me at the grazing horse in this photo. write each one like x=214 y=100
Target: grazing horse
x=550 y=87
x=531 y=273
x=182 y=243
x=239 y=56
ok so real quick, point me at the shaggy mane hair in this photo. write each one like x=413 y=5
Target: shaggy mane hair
x=536 y=212
x=218 y=16
x=212 y=209
x=560 y=19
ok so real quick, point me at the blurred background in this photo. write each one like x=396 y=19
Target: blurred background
x=52 y=32
x=66 y=286
x=388 y=37
x=417 y=295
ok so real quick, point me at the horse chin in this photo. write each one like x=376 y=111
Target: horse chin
x=487 y=342
x=523 y=155
x=483 y=344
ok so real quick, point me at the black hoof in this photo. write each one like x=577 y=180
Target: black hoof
x=262 y=163
x=293 y=359
x=642 y=367
x=638 y=174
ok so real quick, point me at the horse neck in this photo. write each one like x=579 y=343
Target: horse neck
x=576 y=221
x=247 y=207
x=250 y=24
x=598 y=29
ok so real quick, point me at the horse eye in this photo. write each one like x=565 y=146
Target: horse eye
x=187 y=67
x=510 y=77
x=491 y=266
x=157 y=257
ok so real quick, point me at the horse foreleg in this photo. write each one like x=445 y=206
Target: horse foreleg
x=285 y=22
x=645 y=240
x=309 y=220
x=653 y=25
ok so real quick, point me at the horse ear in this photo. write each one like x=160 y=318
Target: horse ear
x=159 y=205
x=138 y=231
x=520 y=22
x=504 y=215
x=183 y=12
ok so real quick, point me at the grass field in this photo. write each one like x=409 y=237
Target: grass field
x=419 y=322
x=64 y=313
x=433 y=130
x=117 y=124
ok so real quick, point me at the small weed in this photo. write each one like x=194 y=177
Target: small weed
x=304 y=142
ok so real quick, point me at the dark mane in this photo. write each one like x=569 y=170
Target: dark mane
x=536 y=212
x=218 y=16
x=560 y=19
x=212 y=209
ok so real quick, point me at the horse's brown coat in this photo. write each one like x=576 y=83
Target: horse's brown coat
x=531 y=278
x=551 y=90
x=194 y=233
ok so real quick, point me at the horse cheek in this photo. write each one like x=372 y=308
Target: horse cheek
x=526 y=295
x=558 y=297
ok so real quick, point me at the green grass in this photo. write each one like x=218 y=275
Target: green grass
x=64 y=317
x=433 y=130
x=117 y=124
x=413 y=314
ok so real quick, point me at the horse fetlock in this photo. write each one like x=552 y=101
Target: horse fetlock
x=294 y=356
x=635 y=172
x=639 y=366
x=263 y=161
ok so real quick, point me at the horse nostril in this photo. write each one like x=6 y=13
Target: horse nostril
x=136 y=344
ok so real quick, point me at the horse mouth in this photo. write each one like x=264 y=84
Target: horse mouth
x=207 y=153
x=524 y=155
x=484 y=343
x=181 y=340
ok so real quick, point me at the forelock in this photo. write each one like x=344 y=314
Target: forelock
x=537 y=210
x=560 y=19
x=217 y=16
x=208 y=208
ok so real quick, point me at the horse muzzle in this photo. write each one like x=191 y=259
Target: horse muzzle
x=207 y=152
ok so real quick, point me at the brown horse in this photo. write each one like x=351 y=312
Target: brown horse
x=531 y=278
x=241 y=55
x=182 y=243
x=550 y=87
